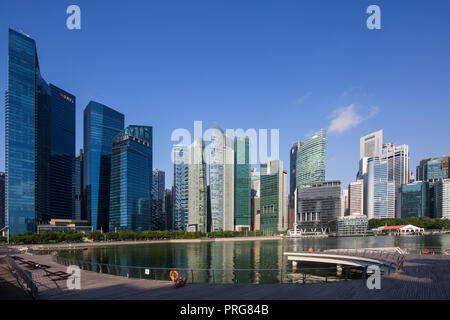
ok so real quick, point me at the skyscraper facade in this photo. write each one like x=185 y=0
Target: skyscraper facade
x=159 y=219
x=356 y=197
x=221 y=181
x=273 y=201
x=311 y=159
x=442 y=199
x=242 y=179
x=78 y=186
x=293 y=171
x=318 y=204
x=371 y=145
x=101 y=125
x=415 y=200
x=168 y=208
x=255 y=185
x=2 y=199
x=131 y=180
x=180 y=187
x=380 y=191
x=197 y=198
x=344 y=203
x=433 y=169
x=40 y=121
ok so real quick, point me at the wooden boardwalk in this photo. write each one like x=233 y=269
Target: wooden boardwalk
x=423 y=277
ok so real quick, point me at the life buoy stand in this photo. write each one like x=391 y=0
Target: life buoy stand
x=425 y=251
x=173 y=275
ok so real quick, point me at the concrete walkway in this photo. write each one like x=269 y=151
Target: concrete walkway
x=423 y=277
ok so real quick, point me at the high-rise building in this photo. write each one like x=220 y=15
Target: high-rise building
x=180 y=187
x=101 y=125
x=311 y=159
x=274 y=200
x=415 y=200
x=2 y=199
x=221 y=181
x=317 y=204
x=433 y=169
x=131 y=180
x=344 y=203
x=255 y=185
x=197 y=198
x=242 y=180
x=356 y=197
x=78 y=186
x=371 y=145
x=159 y=219
x=442 y=199
x=168 y=208
x=293 y=171
x=40 y=141
x=380 y=191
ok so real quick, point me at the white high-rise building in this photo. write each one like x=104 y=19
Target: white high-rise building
x=344 y=203
x=371 y=144
x=442 y=190
x=197 y=199
x=356 y=197
x=221 y=181
x=380 y=191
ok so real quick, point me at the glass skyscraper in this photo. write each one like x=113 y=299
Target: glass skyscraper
x=40 y=139
x=101 y=125
x=159 y=218
x=180 y=187
x=433 y=169
x=311 y=159
x=380 y=191
x=415 y=200
x=131 y=180
x=198 y=192
x=242 y=180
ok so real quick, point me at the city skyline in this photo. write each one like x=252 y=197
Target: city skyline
x=311 y=104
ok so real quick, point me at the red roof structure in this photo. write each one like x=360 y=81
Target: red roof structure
x=394 y=227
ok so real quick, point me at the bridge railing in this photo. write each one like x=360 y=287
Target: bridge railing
x=217 y=275
x=23 y=276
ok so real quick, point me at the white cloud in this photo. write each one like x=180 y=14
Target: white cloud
x=303 y=98
x=346 y=118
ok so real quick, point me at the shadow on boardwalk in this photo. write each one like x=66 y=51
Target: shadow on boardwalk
x=423 y=277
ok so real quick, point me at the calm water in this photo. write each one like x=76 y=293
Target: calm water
x=229 y=258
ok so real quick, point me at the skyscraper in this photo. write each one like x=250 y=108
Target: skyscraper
x=344 y=203
x=40 y=141
x=273 y=201
x=197 y=199
x=415 y=200
x=356 y=197
x=311 y=159
x=78 y=186
x=442 y=190
x=380 y=191
x=318 y=204
x=242 y=179
x=433 y=169
x=221 y=181
x=256 y=216
x=159 y=219
x=168 y=208
x=293 y=181
x=101 y=125
x=371 y=144
x=131 y=180
x=180 y=186
x=2 y=199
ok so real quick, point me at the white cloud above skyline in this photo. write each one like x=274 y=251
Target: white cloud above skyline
x=346 y=118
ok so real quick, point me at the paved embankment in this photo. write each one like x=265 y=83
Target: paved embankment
x=423 y=277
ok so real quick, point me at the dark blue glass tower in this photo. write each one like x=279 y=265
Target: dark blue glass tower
x=131 y=180
x=101 y=125
x=39 y=127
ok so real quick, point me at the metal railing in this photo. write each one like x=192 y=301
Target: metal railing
x=199 y=275
x=24 y=277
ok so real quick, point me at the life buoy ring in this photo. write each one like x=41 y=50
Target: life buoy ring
x=447 y=251
x=310 y=250
x=173 y=275
x=425 y=251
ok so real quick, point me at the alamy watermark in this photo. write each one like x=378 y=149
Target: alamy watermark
x=74 y=280
x=73 y=22
x=374 y=280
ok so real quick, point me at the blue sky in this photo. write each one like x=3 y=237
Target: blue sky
x=291 y=65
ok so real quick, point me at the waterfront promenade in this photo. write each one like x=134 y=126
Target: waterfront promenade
x=423 y=277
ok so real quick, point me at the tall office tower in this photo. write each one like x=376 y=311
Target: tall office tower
x=242 y=189
x=433 y=169
x=356 y=197
x=168 y=208
x=131 y=180
x=442 y=198
x=371 y=145
x=40 y=122
x=62 y=154
x=317 y=204
x=197 y=198
x=101 y=125
x=311 y=159
x=273 y=201
x=180 y=187
x=78 y=186
x=2 y=200
x=255 y=192
x=344 y=203
x=415 y=200
x=159 y=219
x=398 y=169
x=221 y=181
x=293 y=180
x=380 y=191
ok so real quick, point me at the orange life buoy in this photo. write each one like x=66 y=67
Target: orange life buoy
x=173 y=275
x=425 y=251
x=447 y=251
x=310 y=250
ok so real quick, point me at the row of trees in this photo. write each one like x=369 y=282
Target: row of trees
x=60 y=237
x=422 y=222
